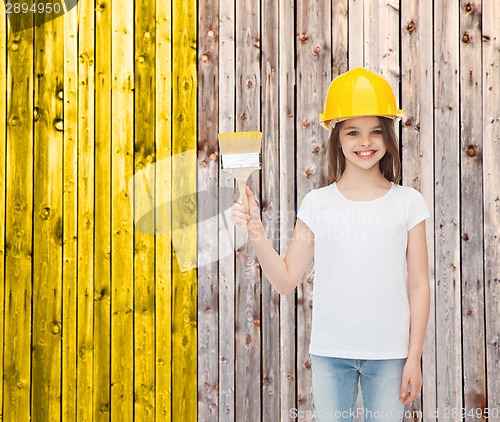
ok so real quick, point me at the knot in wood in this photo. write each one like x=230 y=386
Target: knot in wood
x=317 y=50
x=316 y=148
x=307 y=364
x=60 y=94
x=210 y=33
x=308 y=172
x=471 y=150
x=147 y=35
x=256 y=44
x=186 y=85
x=203 y=164
x=204 y=58
x=408 y=122
x=13 y=121
x=59 y=125
x=213 y=156
x=468 y=7
x=410 y=27
x=19 y=206
x=465 y=237
x=100 y=7
x=249 y=83
x=14 y=45
x=243 y=116
x=45 y=213
x=305 y=123
x=303 y=37
x=466 y=38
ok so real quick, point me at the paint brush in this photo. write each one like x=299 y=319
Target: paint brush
x=240 y=156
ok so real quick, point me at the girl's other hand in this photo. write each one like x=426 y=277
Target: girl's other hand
x=246 y=220
x=412 y=375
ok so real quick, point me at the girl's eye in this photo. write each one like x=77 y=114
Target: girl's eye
x=377 y=132
x=352 y=133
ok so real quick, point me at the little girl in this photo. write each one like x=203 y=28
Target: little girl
x=367 y=233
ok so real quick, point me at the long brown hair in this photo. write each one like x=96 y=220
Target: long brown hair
x=390 y=164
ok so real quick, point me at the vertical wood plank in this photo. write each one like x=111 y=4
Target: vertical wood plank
x=18 y=227
x=144 y=247
x=471 y=121
x=270 y=208
x=85 y=329
x=122 y=253
x=356 y=33
x=208 y=197
x=102 y=229
x=70 y=226
x=227 y=98
x=286 y=115
x=313 y=79
x=248 y=290
x=381 y=40
x=446 y=190
x=47 y=276
x=184 y=289
x=163 y=187
x=339 y=37
x=3 y=151
x=417 y=156
x=491 y=189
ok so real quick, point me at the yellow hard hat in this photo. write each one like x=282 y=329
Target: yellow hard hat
x=358 y=92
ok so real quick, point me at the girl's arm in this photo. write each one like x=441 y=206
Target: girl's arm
x=283 y=273
x=419 y=297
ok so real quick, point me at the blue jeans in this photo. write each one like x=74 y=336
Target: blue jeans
x=335 y=389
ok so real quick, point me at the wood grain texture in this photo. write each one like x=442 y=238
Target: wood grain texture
x=163 y=198
x=248 y=285
x=47 y=222
x=122 y=246
x=102 y=215
x=144 y=243
x=18 y=227
x=417 y=157
x=227 y=298
x=270 y=327
x=70 y=217
x=491 y=201
x=184 y=214
x=208 y=209
x=471 y=233
x=356 y=33
x=286 y=140
x=313 y=78
x=446 y=190
x=3 y=151
x=86 y=151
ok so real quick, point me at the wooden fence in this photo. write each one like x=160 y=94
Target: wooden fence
x=109 y=126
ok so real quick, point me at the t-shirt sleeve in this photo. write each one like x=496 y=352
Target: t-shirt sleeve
x=417 y=209
x=306 y=211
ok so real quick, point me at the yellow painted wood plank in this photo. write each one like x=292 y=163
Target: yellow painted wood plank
x=184 y=364
x=19 y=229
x=144 y=244
x=85 y=329
x=47 y=257
x=70 y=231
x=3 y=150
x=122 y=254
x=102 y=229
x=163 y=186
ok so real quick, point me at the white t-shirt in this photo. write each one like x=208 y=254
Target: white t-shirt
x=360 y=301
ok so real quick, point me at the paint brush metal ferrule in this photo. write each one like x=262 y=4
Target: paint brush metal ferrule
x=240 y=160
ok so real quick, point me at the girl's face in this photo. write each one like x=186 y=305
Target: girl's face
x=362 y=142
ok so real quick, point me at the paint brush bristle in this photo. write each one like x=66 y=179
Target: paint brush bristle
x=239 y=142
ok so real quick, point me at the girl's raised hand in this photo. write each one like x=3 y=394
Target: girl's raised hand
x=246 y=219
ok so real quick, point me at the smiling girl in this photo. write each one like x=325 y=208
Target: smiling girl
x=367 y=234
